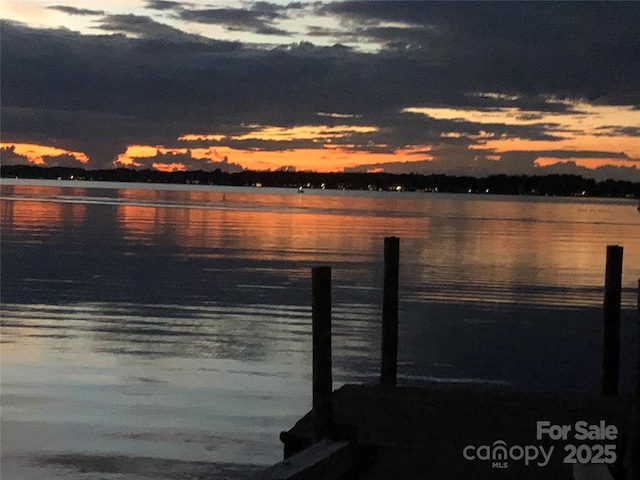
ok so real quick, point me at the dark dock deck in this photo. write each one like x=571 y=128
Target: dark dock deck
x=421 y=433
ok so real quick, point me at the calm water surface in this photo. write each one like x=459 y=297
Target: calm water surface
x=164 y=331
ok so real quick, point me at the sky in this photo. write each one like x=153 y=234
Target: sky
x=475 y=88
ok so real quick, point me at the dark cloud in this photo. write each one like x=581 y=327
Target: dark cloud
x=539 y=104
x=577 y=154
x=99 y=94
x=163 y=5
x=8 y=156
x=259 y=19
x=76 y=11
x=144 y=27
x=63 y=160
x=448 y=159
x=186 y=160
x=582 y=49
x=393 y=38
x=317 y=31
x=263 y=145
x=286 y=168
x=102 y=93
x=460 y=160
x=613 y=131
x=393 y=132
x=601 y=173
x=398 y=130
x=267 y=9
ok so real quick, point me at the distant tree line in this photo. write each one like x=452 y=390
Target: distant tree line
x=555 y=185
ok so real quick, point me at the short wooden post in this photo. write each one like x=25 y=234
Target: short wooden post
x=611 y=327
x=321 y=326
x=632 y=461
x=389 y=368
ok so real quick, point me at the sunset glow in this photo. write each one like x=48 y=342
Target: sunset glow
x=583 y=128
x=327 y=158
x=400 y=87
x=169 y=167
x=36 y=153
x=318 y=133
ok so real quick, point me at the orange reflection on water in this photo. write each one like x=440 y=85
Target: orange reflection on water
x=262 y=227
x=30 y=208
x=472 y=243
x=471 y=248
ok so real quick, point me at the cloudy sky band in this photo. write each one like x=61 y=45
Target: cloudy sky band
x=403 y=86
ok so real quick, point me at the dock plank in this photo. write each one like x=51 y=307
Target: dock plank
x=324 y=460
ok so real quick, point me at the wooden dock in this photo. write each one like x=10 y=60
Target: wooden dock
x=376 y=432
x=421 y=433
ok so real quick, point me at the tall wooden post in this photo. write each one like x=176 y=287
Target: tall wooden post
x=321 y=326
x=611 y=327
x=389 y=368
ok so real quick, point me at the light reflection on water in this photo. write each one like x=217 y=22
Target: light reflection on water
x=173 y=322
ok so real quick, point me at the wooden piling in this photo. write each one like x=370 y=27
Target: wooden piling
x=611 y=327
x=389 y=368
x=321 y=326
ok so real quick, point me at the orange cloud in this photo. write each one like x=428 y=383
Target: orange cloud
x=35 y=153
x=303 y=132
x=581 y=128
x=133 y=152
x=169 y=167
x=328 y=158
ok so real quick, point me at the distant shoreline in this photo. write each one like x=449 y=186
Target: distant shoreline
x=542 y=185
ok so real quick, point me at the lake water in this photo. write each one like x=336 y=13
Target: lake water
x=164 y=331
